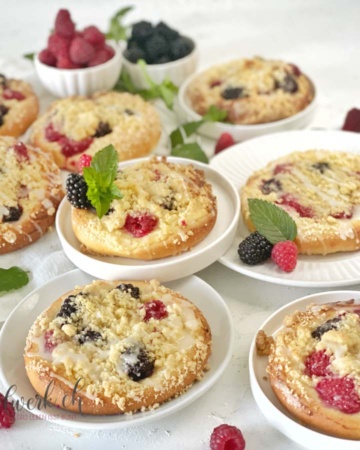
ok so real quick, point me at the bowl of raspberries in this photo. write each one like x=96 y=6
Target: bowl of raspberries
x=77 y=62
x=166 y=52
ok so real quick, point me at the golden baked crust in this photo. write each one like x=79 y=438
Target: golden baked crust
x=318 y=351
x=124 y=120
x=251 y=90
x=320 y=189
x=30 y=192
x=176 y=197
x=126 y=360
x=16 y=114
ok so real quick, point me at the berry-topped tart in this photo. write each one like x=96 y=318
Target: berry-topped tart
x=30 y=192
x=83 y=125
x=320 y=190
x=18 y=106
x=314 y=366
x=148 y=210
x=115 y=347
x=251 y=91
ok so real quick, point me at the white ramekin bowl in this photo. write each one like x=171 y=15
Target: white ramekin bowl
x=67 y=82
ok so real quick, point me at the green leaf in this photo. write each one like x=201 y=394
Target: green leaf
x=215 y=114
x=125 y=83
x=271 y=221
x=191 y=151
x=100 y=177
x=13 y=278
x=29 y=56
x=117 y=30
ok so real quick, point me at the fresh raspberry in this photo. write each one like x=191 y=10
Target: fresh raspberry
x=283 y=168
x=100 y=57
x=317 y=364
x=50 y=342
x=110 y=50
x=21 y=151
x=7 y=413
x=59 y=45
x=69 y=147
x=284 y=254
x=64 y=62
x=155 y=309
x=340 y=393
x=224 y=141
x=93 y=35
x=51 y=134
x=352 y=121
x=63 y=23
x=289 y=200
x=84 y=161
x=47 y=57
x=227 y=437
x=81 y=51
x=10 y=94
x=140 y=225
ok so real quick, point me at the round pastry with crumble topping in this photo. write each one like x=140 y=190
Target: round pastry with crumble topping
x=78 y=125
x=166 y=209
x=118 y=346
x=19 y=106
x=251 y=91
x=314 y=367
x=30 y=192
x=320 y=189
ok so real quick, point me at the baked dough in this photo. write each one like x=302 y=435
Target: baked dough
x=314 y=367
x=133 y=345
x=30 y=192
x=19 y=106
x=78 y=125
x=175 y=200
x=252 y=91
x=320 y=189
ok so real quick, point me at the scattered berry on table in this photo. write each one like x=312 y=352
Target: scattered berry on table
x=284 y=254
x=227 y=437
x=224 y=141
x=254 y=249
x=352 y=120
x=7 y=413
x=76 y=189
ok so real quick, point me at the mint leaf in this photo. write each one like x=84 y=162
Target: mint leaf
x=117 y=30
x=29 y=56
x=215 y=114
x=271 y=221
x=100 y=177
x=191 y=151
x=125 y=83
x=13 y=278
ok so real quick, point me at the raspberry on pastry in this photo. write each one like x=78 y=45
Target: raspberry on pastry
x=252 y=91
x=30 y=192
x=320 y=189
x=166 y=209
x=83 y=125
x=126 y=361
x=314 y=367
x=18 y=106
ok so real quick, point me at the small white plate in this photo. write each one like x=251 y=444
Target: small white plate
x=239 y=162
x=12 y=370
x=265 y=398
x=242 y=132
x=165 y=269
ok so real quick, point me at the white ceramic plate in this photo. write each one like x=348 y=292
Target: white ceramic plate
x=165 y=269
x=243 y=132
x=266 y=400
x=239 y=162
x=12 y=371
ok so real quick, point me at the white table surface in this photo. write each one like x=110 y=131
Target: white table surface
x=322 y=38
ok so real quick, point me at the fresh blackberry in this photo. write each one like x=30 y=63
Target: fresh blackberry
x=13 y=215
x=134 y=54
x=156 y=47
x=130 y=289
x=254 y=249
x=141 y=31
x=137 y=363
x=76 y=189
x=181 y=47
x=169 y=33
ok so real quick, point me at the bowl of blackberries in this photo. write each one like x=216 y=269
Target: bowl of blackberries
x=166 y=52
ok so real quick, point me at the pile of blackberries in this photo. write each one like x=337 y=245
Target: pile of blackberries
x=156 y=44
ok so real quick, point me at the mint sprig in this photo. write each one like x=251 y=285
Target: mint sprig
x=271 y=221
x=100 y=177
x=117 y=30
x=13 y=278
